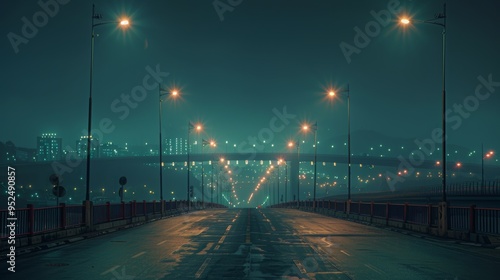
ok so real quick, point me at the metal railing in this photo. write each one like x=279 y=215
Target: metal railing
x=470 y=219
x=32 y=221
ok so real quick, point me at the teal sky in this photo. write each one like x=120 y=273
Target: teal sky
x=232 y=73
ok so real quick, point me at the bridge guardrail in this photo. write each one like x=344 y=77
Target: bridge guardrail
x=465 y=219
x=32 y=221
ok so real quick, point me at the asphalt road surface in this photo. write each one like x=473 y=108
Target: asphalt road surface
x=258 y=244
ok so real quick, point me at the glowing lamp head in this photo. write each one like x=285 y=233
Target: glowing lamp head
x=305 y=127
x=198 y=127
x=405 y=21
x=124 y=22
x=175 y=93
x=331 y=93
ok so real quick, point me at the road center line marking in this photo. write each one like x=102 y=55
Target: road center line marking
x=162 y=242
x=140 y=254
x=221 y=239
x=111 y=269
x=202 y=268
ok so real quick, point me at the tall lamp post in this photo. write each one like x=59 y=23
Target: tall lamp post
x=203 y=144
x=290 y=144
x=331 y=94
x=161 y=93
x=286 y=182
x=190 y=127
x=212 y=184
x=219 y=192
x=315 y=128
x=98 y=17
x=278 y=183
x=279 y=163
x=435 y=21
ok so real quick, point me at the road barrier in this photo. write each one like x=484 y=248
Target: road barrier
x=33 y=221
x=470 y=219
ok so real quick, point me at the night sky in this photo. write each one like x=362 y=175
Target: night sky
x=234 y=67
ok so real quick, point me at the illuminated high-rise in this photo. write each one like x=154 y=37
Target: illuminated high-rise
x=49 y=147
x=176 y=146
x=81 y=147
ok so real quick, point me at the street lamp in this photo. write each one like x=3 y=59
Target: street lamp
x=219 y=179
x=203 y=144
x=123 y=23
x=279 y=163
x=173 y=94
x=190 y=127
x=435 y=21
x=286 y=182
x=331 y=94
x=290 y=145
x=315 y=128
x=212 y=184
x=276 y=191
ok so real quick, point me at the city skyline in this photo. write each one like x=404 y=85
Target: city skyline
x=382 y=145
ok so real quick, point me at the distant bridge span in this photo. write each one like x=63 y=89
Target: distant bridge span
x=392 y=163
x=405 y=163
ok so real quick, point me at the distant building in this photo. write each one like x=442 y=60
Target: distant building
x=7 y=152
x=81 y=147
x=48 y=147
x=10 y=153
x=175 y=146
x=26 y=154
x=109 y=149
